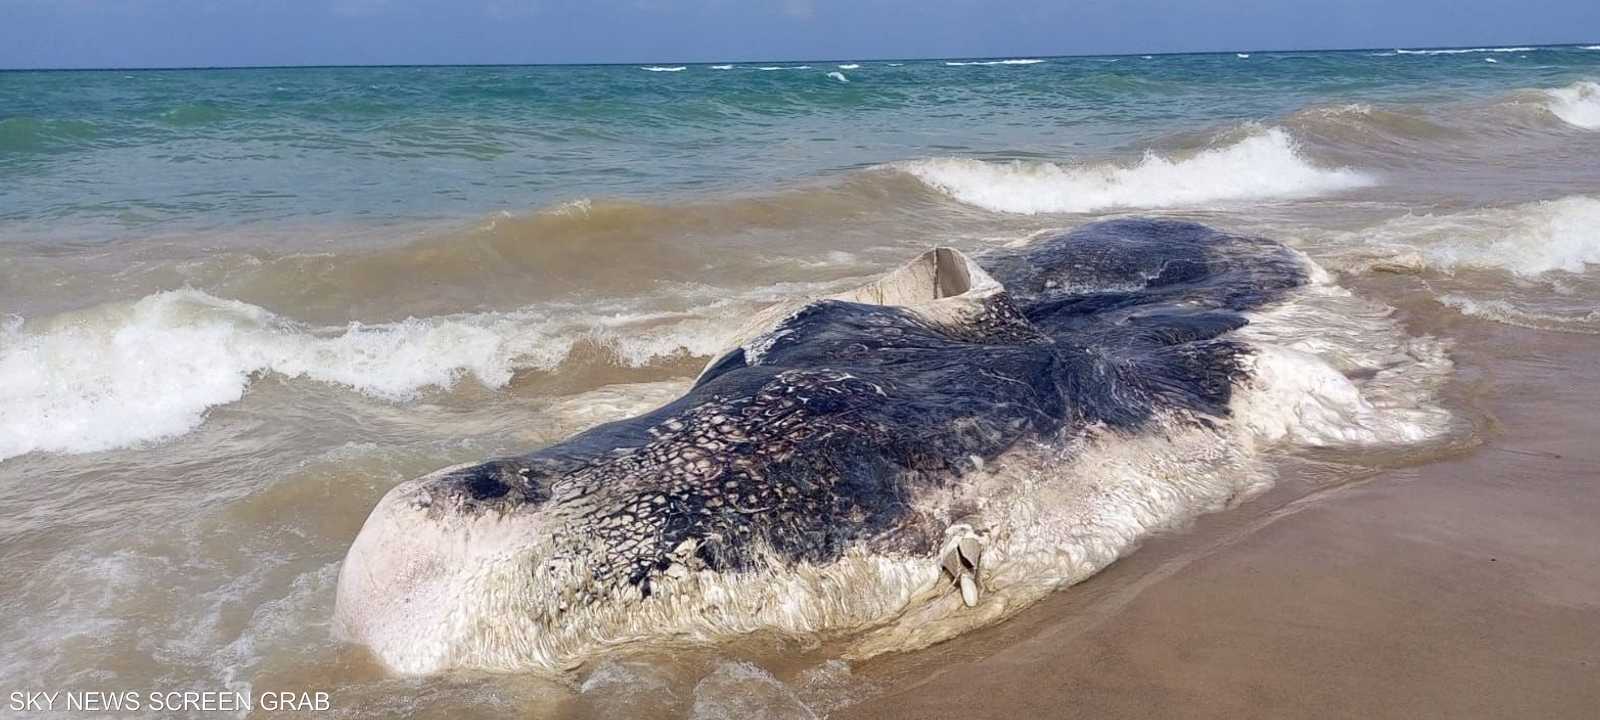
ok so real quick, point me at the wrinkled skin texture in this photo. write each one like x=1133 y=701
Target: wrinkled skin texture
x=817 y=442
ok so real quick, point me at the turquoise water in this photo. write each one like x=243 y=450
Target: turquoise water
x=90 y=155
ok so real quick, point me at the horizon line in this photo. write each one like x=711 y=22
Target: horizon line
x=312 y=66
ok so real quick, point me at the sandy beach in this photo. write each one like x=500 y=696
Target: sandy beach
x=1464 y=587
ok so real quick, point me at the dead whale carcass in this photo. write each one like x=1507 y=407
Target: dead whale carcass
x=811 y=480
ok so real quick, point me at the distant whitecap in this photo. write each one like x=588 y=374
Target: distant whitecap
x=1019 y=61
x=1459 y=51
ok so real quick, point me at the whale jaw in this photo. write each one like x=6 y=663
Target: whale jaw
x=419 y=587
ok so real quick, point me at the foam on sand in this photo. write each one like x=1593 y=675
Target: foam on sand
x=1508 y=313
x=1265 y=165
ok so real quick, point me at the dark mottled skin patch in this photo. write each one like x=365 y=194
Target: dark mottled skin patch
x=816 y=444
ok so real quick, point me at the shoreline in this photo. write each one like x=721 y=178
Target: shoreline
x=1468 y=586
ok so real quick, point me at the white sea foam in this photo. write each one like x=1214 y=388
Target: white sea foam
x=1303 y=391
x=1505 y=312
x=1265 y=165
x=721 y=67
x=1242 y=56
x=739 y=690
x=784 y=67
x=124 y=373
x=1018 y=61
x=1462 y=51
x=1590 y=47
x=1577 y=104
x=849 y=66
x=839 y=76
x=660 y=68
x=1491 y=60
x=1528 y=239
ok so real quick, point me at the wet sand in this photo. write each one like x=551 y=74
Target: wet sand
x=1464 y=587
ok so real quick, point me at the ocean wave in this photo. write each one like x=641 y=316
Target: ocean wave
x=849 y=66
x=1462 y=51
x=839 y=76
x=1018 y=61
x=784 y=67
x=1505 y=312
x=721 y=67
x=589 y=248
x=22 y=134
x=1265 y=165
x=1577 y=104
x=1528 y=239
x=661 y=68
x=131 y=372
x=194 y=114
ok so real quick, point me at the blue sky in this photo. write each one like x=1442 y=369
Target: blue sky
x=165 y=33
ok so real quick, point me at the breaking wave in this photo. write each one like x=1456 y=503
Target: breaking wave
x=126 y=373
x=1577 y=104
x=1019 y=61
x=1528 y=239
x=1508 y=313
x=659 y=68
x=1462 y=51
x=1266 y=165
